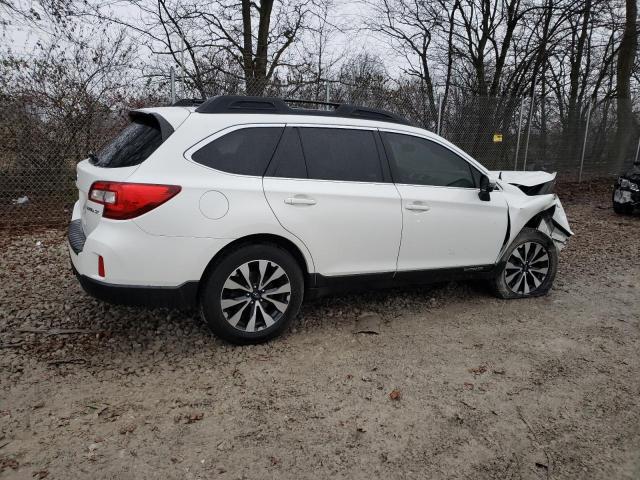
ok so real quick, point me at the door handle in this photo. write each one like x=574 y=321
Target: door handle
x=297 y=200
x=418 y=207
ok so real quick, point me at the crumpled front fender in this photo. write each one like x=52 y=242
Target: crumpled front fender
x=522 y=209
x=560 y=217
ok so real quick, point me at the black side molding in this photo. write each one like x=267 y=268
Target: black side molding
x=321 y=285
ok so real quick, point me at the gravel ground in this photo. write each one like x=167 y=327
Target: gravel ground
x=457 y=384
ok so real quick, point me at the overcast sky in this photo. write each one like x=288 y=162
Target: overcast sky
x=21 y=39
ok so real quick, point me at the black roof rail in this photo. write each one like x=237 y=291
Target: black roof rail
x=188 y=102
x=248 y=104
x=298 y=101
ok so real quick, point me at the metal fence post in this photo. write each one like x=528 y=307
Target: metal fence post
x=173 y=85
x=584 y=142
x=526 y=147
x=184 y=89
x=637 y=151
x=326 y=93
x=515 y=160
x=439 y=114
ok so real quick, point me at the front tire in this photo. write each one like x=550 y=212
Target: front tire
x=252 y=294
x=528 y=267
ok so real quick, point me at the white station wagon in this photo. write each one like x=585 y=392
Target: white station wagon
x=243 y=206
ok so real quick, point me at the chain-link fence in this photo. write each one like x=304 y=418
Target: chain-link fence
x=40 y=143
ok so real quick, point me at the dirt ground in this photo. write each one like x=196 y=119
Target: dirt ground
x=457 y=384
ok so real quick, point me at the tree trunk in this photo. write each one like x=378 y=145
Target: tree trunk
x=626 y=124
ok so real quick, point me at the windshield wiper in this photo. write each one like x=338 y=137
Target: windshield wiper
x=93 y=158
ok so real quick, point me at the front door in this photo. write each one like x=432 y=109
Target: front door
x=445 y=224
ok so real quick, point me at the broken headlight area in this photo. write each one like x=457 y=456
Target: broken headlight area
x=626 y=184
x=626 y=192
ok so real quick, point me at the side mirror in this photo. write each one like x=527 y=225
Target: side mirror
x=486 y=187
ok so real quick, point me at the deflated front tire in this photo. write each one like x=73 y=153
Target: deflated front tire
x=528 y=267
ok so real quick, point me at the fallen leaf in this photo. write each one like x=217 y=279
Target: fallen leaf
x=395 y=394
x=478 y=370
x=8 y=462
x=195 y=417
x=128 y=428
x=468 y=386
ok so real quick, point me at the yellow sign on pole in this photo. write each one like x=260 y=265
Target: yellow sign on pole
x=497 y=137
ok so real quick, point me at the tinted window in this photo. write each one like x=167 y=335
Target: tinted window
x=288 y=161
x=417 y=161
x=133 y=145
x=245 y=152
x=341 y=154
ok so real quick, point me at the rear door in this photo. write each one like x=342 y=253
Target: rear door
x=445 y=224
x=328 y=187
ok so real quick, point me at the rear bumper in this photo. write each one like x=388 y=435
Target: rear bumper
x=182 y=296
x=141 y=269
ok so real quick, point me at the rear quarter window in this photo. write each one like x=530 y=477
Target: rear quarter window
x=133 y=145
x=243 y=152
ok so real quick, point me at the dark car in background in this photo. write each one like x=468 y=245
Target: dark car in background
x=626 y=191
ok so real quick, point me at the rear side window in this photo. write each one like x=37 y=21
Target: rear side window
x=418 y=161
x=133 y=145
x=244 y=152
x=341 y=154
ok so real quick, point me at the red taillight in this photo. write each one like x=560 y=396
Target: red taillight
x=128 y=200
x=101 y=266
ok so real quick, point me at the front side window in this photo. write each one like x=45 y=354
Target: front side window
x=418 y=161
x=341 y=154
x=133 y=145
x=244 y=152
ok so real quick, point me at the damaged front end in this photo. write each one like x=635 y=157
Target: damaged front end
x=538 y=208
x=553 y=223
x=626 y=191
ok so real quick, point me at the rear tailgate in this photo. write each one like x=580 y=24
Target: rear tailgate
x=91 y=212
x=122 y=156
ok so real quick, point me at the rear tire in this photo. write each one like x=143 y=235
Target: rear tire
x=528 y=267
x=252 y=294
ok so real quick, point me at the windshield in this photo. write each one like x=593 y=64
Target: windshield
x=133 y=145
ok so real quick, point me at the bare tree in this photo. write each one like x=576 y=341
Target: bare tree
x=626 y=58
x=417 y=30
x=245 y=39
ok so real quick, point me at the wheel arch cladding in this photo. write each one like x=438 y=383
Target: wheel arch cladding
x=260 y=238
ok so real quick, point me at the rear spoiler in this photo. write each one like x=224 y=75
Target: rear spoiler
x=165 y=127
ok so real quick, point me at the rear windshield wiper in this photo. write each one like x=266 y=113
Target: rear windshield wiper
x=93 y=158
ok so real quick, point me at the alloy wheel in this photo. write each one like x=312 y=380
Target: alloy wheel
x=527 y=268
x=255 y=295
